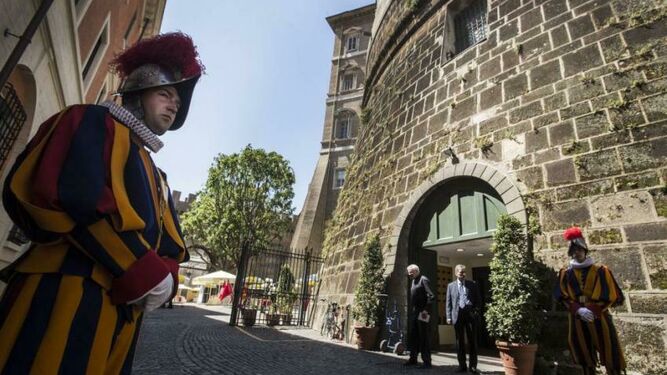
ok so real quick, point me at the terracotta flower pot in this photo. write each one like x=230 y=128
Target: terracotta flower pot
x=365 y=337
x=518 y=359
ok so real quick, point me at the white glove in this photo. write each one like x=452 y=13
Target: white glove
x=156 y=296
x=585 y=314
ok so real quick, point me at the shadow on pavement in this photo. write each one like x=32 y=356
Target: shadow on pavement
x=190 y=340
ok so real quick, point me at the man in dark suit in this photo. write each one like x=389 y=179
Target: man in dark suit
x=421 y=298
x=463 y=306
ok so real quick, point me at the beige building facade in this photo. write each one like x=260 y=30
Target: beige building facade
x=66 y=63
x=551 y=111
x=352 y=30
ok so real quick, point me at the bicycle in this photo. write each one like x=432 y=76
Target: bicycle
x=334 y=322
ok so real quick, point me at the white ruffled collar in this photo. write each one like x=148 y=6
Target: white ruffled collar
x=586 y=263
x=136 y=126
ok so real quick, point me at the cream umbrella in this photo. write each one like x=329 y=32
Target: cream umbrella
x=214 y=278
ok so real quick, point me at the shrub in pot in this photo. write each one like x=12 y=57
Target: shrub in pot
x=514 y=316
x=285 y=297
x=367 y=307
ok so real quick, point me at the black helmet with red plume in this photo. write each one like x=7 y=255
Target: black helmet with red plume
x=164 y=60
x=576 y=238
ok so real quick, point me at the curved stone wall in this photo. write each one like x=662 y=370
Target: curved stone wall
x=566 y=98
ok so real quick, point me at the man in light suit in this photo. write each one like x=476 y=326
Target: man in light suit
x=463 y=306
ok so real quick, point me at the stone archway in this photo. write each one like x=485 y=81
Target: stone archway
x=396 y=258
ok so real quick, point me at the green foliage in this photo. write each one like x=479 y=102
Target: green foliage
x=247 y=199
x=285 y=296
x=365 y=116
x=367 y=305
x=285 y=279
x=514 y=313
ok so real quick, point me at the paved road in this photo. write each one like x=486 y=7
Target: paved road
x=193 y=340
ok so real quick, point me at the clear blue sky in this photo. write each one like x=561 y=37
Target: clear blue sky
x=267 y=74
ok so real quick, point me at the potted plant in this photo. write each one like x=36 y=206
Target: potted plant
x=249 y=315
x=367 y=305
x=285 y=306
x=272 y=316
x=514 y=317
x=285 y=298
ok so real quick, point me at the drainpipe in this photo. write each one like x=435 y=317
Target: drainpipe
x=24 y=40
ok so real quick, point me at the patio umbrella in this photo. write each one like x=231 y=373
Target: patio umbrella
x=214 y=278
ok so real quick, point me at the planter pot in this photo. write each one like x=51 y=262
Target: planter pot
x=286 y=319
x=366 y=337
x=518 y=359
x=248 y=316
x=272 y=319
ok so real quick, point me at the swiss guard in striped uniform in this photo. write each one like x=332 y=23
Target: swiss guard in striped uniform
x=106 y=241
x=588 y=290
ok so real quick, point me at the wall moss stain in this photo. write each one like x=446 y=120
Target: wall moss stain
x=605 y=236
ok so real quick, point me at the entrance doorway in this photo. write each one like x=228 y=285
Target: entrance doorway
x=454 y=225
x=480 y=275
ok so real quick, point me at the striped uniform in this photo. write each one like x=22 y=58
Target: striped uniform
x=595 y=288
x=104 y=232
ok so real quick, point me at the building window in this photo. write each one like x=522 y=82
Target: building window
x=95 y=57
x=339 y=178
x=12 y=118
x=343 y=127
x=102 y=95
x=80 y=8
x=352 y=43
x=128 y=31
x=470 y=25
x=348 y=82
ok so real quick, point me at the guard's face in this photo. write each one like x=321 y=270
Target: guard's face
x=412 y=274
x=579 y=254
x=160 y=105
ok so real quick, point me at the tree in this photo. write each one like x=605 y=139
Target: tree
x=247 y=199
x=367 y=305
x=514 y=313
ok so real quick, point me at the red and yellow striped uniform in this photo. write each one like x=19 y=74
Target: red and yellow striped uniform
x=595 y=288
x=104 y=232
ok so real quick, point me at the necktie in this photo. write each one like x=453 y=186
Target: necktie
x=462 y=303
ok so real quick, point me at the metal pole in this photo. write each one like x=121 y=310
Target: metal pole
x=238 y=287
x=24 y=40
x=304 y=288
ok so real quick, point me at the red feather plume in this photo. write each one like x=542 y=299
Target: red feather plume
x=572 y=233
x=174 y=52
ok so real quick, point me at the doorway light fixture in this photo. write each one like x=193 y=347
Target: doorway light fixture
x=480 y=254
x=459 y=250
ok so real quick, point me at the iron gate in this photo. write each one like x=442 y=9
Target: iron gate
x=275 y=287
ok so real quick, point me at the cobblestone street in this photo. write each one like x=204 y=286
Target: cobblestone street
x=194 y=340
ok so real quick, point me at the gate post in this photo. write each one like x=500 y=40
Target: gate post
x=238 y=287
x=304 y=287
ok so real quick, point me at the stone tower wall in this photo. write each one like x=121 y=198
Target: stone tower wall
x=567 y=100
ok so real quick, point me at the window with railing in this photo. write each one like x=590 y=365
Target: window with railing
x=12 y=118
x=470 y=25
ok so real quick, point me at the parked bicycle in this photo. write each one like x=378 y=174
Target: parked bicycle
x=333 y=325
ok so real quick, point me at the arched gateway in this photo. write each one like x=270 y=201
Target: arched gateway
x=450 y=220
